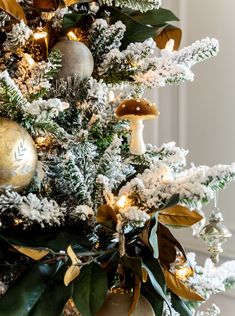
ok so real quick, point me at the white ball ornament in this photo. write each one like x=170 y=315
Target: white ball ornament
x=77 y=59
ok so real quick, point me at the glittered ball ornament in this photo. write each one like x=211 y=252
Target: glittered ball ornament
x=119 y=304
x=77 y=59
x=18 y=156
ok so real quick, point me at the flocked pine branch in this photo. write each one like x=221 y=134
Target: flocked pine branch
x=197 y=52
x=210 y=279
x=169 y=153
x=11 y=98
x=111 y=165
x=141 y=5
x=74 y=174
x=122 y=66
x=103 y=38
x=174 y=67
x=31 y=209
x=9 y=200
x=158 y=183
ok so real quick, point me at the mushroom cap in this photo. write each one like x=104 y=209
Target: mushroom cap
x=140 y=109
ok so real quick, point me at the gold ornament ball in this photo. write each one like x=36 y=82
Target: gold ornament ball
x=77 y=59
x=18 y=155
x=119 y=304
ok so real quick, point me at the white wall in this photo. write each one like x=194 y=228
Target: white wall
x=200 y=116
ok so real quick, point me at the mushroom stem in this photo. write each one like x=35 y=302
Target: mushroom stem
x=137 y=146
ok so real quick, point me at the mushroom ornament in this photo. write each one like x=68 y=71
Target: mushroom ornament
x=137 y=110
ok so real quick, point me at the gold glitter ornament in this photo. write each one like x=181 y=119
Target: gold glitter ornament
x=18 y=156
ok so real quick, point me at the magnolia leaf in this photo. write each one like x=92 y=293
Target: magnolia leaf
x=144 y=275
x=73 y=20
x=106 y=216
x=33 y=253
x=156 y=285
x=53 y=299
x=179 y=306
x=153 y=240
x=168 y=245
x=90 y=289
x=179 y=216
x=169 y=32
x=155 y=17
x=46 y=5
x=22 y=296
x=136 y=296
x=132 y=263
x=179 y=288
x=135 y=30
x=149 y=236
x=13 y=8
x=73 y=256
x=71 y=274
x=147 y=289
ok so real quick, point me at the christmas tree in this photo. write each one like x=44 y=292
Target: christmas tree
x=87 y=210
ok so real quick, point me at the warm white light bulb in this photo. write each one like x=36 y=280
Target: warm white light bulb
x=111 y=96
x=29 y=59
x=122 y=201
x=72 y=36
x=170 y=45
x=183 y=273
x=39 y=35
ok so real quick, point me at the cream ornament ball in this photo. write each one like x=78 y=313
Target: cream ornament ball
x=18 y=156
x=77 y=59
x=119 y=305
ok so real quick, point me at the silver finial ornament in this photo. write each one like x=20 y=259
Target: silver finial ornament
x=215 y=233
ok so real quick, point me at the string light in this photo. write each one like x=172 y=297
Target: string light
x=111 y=96
x=183 y=272
x=40 y=34
x=170 y=45
x=29 y=59
x=121 y=201
x=71 y=36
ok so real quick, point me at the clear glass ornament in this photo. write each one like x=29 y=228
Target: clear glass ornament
x=215 y=233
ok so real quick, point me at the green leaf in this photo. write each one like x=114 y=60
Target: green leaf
x=157 y=287
x=73 y=20
x=23 y=295
x=148 y=291
x=132 y=263
x=153 y=239
x=179 y=305
x=135 y=30
x=90 y=289
x=155 y=17
x=52 y=302
x=55 y=240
